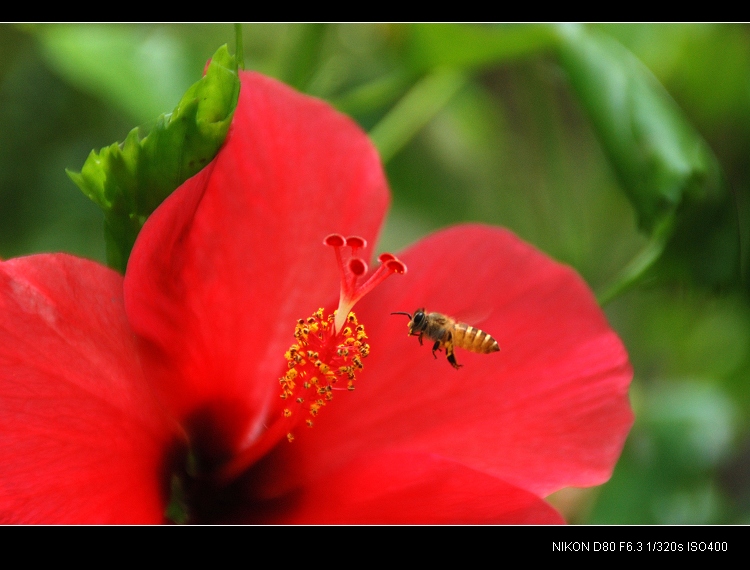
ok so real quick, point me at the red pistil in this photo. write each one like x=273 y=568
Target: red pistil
x=354 y=268
x=328 y=351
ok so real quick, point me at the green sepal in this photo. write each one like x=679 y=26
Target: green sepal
x=667 y=170
x=129 y=180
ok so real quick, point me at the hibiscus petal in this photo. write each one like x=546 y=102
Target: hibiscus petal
x=549 y=410
x=81 y=437
x=223 y=269
x=409 y=488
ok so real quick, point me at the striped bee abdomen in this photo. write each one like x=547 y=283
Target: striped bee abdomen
x=473 y=339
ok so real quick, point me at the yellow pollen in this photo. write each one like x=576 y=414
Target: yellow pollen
x=322 y=359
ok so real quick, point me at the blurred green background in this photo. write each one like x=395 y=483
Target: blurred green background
x=621 y=150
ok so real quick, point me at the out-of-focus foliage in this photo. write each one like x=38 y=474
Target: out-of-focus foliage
x=113 y=62
x=618 y=149
x=670 y=174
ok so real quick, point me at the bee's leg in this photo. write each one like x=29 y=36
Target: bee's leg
x=420 y=338
x=435 y=347
x=451 y=356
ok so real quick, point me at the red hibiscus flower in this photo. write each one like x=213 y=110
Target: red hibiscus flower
x=121 y=397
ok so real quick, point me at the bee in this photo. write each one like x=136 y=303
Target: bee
x=447 y=333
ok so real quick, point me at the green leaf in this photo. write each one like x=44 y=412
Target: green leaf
x=129 y=180
x=669 y=173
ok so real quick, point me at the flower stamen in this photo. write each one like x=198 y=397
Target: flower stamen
x=328 y=350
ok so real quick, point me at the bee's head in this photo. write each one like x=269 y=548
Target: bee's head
x=416 y=322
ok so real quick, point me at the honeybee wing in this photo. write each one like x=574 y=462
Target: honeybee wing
x=472 y=316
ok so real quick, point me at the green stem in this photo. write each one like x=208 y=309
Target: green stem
x=239 y=55
x=414 y=111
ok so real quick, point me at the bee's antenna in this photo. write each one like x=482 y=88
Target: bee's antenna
x=402 y=313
